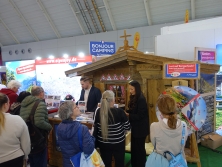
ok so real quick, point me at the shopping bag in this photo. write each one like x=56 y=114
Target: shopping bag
x=93 y=160
x=156 y=160
x=176 y=161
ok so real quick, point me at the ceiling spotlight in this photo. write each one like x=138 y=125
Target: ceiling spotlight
x=146 y=52
x=38 y=58
x=81 y=54
x=51 y=57
x=65 y=55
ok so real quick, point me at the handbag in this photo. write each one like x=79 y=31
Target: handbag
x=75 y=160
x=178 y=160
x=156 y=160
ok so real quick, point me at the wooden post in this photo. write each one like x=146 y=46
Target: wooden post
x=192 y=155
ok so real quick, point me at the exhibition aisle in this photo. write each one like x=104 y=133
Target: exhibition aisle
x=208 y=158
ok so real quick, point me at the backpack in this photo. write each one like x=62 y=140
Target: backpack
x=37 y=138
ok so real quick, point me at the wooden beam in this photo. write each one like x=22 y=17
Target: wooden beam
x=148 y=67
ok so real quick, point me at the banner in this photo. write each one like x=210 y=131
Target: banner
x=98 y=48
x=22 y=71
x=70 y=60
x=183 y=70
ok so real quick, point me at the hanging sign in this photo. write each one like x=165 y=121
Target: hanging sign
x=98 y=48
x=205 y=55
x=182 y=70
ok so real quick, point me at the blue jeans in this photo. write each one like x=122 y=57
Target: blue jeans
x=38 y=159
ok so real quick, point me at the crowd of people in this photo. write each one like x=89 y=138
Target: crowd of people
x=110 y=126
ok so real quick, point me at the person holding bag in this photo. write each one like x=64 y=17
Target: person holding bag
x=169 y=134
x=70 y=131
x=109 y=130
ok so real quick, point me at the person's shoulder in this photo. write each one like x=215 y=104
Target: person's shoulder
x=154 y=124
x=14 y=118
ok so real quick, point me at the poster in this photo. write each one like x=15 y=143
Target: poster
x=52 y=101
x=51 y=75
x=208 y=125
x=22 y=71
x=191 y=107
x=205 y=55
x=183 y=70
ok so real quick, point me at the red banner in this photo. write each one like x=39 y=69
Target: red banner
x=181 y=68
x=25 y=69
x=69 y=60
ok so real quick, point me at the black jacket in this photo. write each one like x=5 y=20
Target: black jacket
x=93 y=98
x=139 y=119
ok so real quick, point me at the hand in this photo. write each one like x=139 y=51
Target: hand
x=127 y=114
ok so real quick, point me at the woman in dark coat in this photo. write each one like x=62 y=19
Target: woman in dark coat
x=138 y=117
x=15 y=107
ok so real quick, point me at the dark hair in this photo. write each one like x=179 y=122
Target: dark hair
x=134 y=98
x=22 y=96
x=85 y=78
x=69 y=97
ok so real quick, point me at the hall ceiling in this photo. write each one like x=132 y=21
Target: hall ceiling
x=24 y=21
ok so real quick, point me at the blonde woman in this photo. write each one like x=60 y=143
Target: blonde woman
x=109 y=130
x=14 y=137
x=167 y=133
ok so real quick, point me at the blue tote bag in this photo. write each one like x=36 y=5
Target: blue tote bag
x=156 y=160
x=75 y=160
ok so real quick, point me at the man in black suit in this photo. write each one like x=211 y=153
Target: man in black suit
x=90 y=94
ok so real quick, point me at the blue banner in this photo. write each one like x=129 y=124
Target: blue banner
x=98 y=48
x=186 y=71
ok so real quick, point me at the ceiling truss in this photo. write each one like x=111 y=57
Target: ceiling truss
x=193 y=12
x=70 y=2
x=109 y=14
x=84 y=16
x=48 y=18
x=91 y=16
x=99 y=15
x=24 y=20
x=147 y=8
x=12 y=35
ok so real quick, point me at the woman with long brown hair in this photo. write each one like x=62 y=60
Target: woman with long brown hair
x=167 y=133
x=14 y=137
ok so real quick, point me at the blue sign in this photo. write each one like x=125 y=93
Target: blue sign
x=98 y=48
x=185 y=71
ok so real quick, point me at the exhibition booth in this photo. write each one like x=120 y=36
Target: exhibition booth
x=188 y=76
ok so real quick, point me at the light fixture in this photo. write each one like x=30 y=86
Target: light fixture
x=146 y=52
x=65 y=55
x=38 y=58
x=81 y=54
x=51 y=57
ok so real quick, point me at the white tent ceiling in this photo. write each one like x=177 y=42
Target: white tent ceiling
x=23 y=21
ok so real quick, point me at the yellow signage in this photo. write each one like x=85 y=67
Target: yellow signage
x=186 y=18
x=136 y=40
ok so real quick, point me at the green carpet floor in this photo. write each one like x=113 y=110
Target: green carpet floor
x=208 y=158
